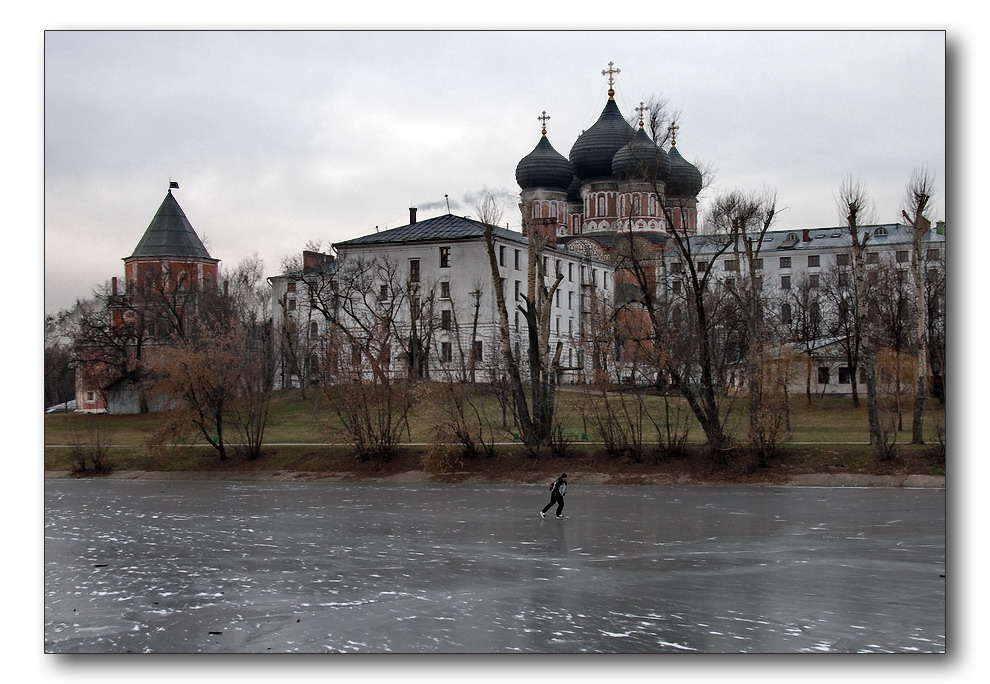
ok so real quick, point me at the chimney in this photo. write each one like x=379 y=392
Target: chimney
x=412 y=215
x=806 y=235
x=113 y=285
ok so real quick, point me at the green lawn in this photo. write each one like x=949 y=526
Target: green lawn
x=827 y=421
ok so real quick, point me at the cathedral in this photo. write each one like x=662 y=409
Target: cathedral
x=615 y=179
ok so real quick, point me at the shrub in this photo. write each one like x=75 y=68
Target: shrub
x=89 y=445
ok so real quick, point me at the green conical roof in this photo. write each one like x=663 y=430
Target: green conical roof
x=171 y=235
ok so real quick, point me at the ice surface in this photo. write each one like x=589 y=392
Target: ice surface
x=238 y=567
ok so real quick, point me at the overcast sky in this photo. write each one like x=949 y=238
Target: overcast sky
x=279 y=138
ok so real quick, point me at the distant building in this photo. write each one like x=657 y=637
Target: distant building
x=166 y=278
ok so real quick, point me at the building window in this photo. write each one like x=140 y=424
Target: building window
x=383 y=292
x=675 y=287
x=90 y=397
x=570 y=300
x=844 y=279
x=785 y=262
x=556 y=299
x=845 y=377
x=813 y=280
x=785 y=313
x=677 y=267
x=414 y=270
x=873 y=257
x=759 y=264
x=730 y=283
x=516 y=291
x=291 y=286
x=823 y=375
x=501 y=255
x=291 y=305
x=601 y=205
x=515 y=320
x=815 y=313
x=444 y=289
x=880 y=232
x=445 y=319
x=842 y=259
x=515 y=259
x=931 y=255
x=814 y=260
x=785 y=282
x=478 y=350
x=314 y=329
x=445 y=257
x=902 y=256
x=446 y=352
x=414 y=307
x=570 y=273
x=730 y=265
x=702 y=265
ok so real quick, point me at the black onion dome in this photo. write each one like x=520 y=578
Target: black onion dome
x=641 y=158
x=591 y=155
x=544 y=167
x=684 y=179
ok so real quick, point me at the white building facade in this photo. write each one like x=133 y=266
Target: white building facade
x=420 y=299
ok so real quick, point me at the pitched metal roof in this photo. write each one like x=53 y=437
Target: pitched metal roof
x=821 y=238
x=438 y=229
x=171 y=235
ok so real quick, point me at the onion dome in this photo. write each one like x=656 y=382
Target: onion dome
x=641 y=158
x=591 y=155
x=544 y=167
x=684 y=179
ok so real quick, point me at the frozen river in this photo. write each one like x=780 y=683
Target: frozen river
x=164 y=566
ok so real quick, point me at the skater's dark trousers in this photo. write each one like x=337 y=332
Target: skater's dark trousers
x=555 y=499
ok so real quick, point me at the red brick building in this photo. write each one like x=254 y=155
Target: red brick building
x=166 y=279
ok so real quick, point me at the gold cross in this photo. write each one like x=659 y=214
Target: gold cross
x=610 y=72
x=544 y=118
x=641 y=108
x=672 y=129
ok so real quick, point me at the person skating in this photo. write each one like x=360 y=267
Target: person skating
x=557 y=490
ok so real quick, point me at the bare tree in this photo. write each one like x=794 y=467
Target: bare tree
x=917 y=201
x=534 y=409
x=855 y=208
x=214 y=383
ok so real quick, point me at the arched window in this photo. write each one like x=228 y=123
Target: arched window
x=601 y=205
x=314 y=329
x=881 y=231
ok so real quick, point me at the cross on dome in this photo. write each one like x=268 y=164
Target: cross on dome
x=672 y=129
x=543 y=118
x=610 y=72
x=641 y=109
